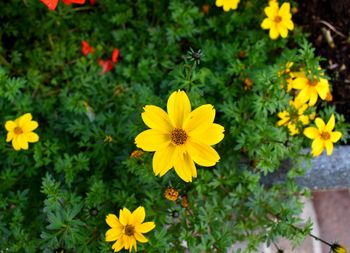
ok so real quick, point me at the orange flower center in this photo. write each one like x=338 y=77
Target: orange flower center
x=278 y=19
x=18 y=130
x=312 y=83
x=325 y=135
x=129 y=230
x=178 y=136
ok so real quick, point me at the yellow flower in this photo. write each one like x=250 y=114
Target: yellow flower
x=336 y=248
x=227 y=4
x=322 y=136
x=128 y=229
x=108 y=138
x=20 y=131
x=310 y=90
x=293 y=117
x=181 y=137
x=278 y=20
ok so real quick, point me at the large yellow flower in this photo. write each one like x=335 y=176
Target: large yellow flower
x=310 y=90
x=128 y=229
x=20 y=131
x=278 y=20
x=322 y=136
x=180 y=137
x=227 y=4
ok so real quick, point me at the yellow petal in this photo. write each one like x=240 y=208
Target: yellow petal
x=132 y=243
x=10 y=136
x=22 y=141
x=272 y=10
x=189 y=165
x=329 y=147
x=152 y=140
x=213 y=135
x=30 y=126
x=181 y=168
x=300 y=83
x=163 y=160
x=317 y=146
x=304 y=119
x=303 y=95
x=320 y=124
x=200 y=119
x=219 y=3
x=113 y=221
x=156 y=118
x=266 y=24
x=330 y=124
x=284 y=10
x=113 y=234
x=322 y=88
x=202 y=154
x=10 y=125
x=313 y=96
x=178 y=107
x=138 y=216
x=282 y=30
x=140 y=237
x=124 y=216
x=273 y=32
x=288 y=23
x=31 y=137
x=145 y=227
x=24 y=119
x=311 y=132
x=118 y=245
x=15 y=143
x=335 y=136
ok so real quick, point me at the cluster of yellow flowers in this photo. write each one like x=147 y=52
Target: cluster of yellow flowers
x=295 y=118
x=278 y=20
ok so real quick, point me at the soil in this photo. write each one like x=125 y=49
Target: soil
x=328 y=25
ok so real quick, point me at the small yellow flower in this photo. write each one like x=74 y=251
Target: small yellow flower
x=108 y=138
x=128 y=229
x=227 y=4
x=310 y=89
x=20 y=131
x=294 y=117
x=248 y=84
x=184 y=201
x=279 y=20
x=336 y=248
x=180 y=138
x=171 y=194
x=322 y=136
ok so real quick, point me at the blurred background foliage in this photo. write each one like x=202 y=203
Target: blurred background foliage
x=55 y=196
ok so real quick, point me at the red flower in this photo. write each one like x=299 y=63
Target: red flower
x=52 y=4
x=86 y=48
x=92 y=2
x=108 y=65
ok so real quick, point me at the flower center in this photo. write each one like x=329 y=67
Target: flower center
x=313 y=83
x=18 y=130
x=178 y=136
x=325 y=135
x=278 y=19
x=129 y=230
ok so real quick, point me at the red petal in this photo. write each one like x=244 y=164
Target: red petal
x=115 y=55
x=86 y=49
x=107 y=65
x=67 y=2
x=92 y=2
x=51 y=4
x=78 y=1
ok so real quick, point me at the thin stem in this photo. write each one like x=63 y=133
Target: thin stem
x=319 y=239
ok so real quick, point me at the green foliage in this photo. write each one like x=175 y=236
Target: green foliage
x=58 y=193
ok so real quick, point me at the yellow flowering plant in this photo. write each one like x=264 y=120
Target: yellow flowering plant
x=20 y=131
x=128 y=229
x=323 y=136
x=181 y=137
x=179 y=133
x=278 y=21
